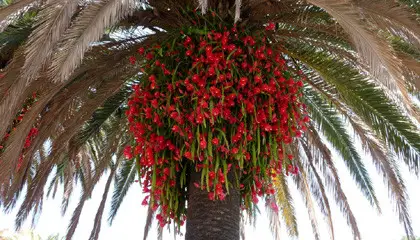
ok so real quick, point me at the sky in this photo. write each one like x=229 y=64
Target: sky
x=129 y=222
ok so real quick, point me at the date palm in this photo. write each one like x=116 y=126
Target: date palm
x=361 y=59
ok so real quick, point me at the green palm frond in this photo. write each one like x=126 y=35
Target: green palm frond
x=112 y=105
x=367 y=100
x=401 y=45
x=413 y=4
x=124 y=179
x=327 y=120
x=378 y=152
x=386 y=165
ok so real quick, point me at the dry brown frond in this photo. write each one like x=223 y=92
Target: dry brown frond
x=54 y=19
x=11 y=94
x=391 y=16
x=376 y=51
x=62 y=115
x=86 y=28
x=411 y=70
x=99 y=170
x=17 y=139
x=68 y=178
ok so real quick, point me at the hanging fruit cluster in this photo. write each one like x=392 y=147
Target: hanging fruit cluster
x=31 y=135
x=215 y=99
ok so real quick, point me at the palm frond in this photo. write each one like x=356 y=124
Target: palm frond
x=35 y=192
x=373 y=49
x=366 y=100
x=13 y=95
x=332 y=179
x=303 y=187
x=36 y=188
x=76 y=215
x=403 y=46
x=391 y=16
x=62 y=110
x=284 y=200
x=98 y=218
x=410 y=57
x=274 y=218
x=100 y=115
x=383 y=158
x=382 y=61
x=413 y=4
x=54 y=19
x=361 y=59
x=86 y=28
x=17 y=140
x=52 y=189
x=317 y=187
x=328 y=121
x=124 y=179
x=113 y=139
x=387 y=167
x=149 y=219
x=68 y=177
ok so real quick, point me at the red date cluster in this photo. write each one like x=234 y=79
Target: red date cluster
x=214 y=101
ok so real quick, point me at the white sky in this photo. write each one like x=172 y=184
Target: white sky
x=129 y=222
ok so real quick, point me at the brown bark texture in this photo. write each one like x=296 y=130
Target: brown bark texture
x=212 y=220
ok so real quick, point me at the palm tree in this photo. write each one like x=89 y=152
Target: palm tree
x=66 y=66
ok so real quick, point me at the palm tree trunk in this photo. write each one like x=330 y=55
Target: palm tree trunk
x=212 y=220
